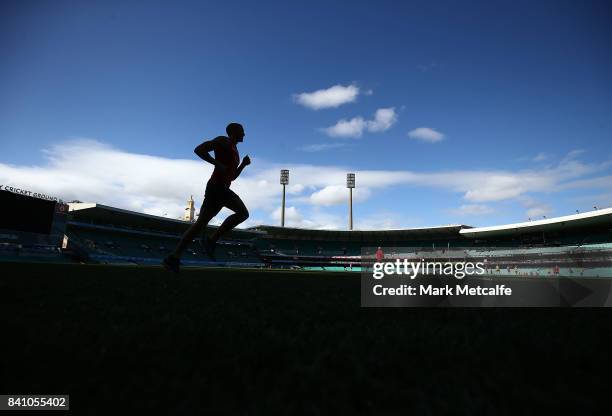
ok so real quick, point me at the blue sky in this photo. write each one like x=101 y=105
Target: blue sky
x=488 y=112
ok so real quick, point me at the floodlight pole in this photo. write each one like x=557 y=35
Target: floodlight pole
x=283 y=210
x=350 y=184
x=284 y=180
x=351 y=209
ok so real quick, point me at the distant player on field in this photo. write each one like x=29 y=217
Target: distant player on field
x=380 y=255
x=218 y=195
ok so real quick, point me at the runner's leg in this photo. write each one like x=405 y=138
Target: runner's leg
x=209 y=209
x=240 y=215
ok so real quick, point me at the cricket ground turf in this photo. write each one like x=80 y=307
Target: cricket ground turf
x=283 y=342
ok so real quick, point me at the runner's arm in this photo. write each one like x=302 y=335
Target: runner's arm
x=245 y=162
x=203 y=151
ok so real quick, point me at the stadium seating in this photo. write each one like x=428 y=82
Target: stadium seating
x=109 y=244
x=102 y=234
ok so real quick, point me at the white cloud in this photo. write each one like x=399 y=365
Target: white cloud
x=384 y=220
x=347 y=128
x=88 y=170
x=496 y=187
x=472 y=210
x=587 y=202
x=539 y=211
x=328 y=98
x=337 y=194
x=535 y=208
x=316 y=220
x=318 y=147
x=383 y=120
x=601 y=182
x=295 y=189
x=91 y=171
x=330 y=195
x=540 y=157
x=572 y=155
x=291 y=215
x=426 y=134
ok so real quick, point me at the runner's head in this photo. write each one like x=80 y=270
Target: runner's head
x=235 y=132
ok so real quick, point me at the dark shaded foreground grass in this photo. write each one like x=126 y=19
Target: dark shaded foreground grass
x=272 y=342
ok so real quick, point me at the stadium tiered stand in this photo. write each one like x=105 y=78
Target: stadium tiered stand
x=573 y=245
x=99 y=233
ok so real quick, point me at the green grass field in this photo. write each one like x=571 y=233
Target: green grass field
x=280 y=342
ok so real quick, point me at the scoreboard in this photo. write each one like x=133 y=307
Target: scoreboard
x=27 y=219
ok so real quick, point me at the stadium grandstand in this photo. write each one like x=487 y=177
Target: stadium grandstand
x=99 y=233
x=574 y=245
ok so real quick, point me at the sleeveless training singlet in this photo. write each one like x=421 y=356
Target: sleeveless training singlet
x=226 y=153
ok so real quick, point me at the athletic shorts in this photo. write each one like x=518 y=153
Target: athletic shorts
x=218 y=196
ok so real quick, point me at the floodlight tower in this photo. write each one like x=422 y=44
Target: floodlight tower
x=350 y=184
x=284 y=180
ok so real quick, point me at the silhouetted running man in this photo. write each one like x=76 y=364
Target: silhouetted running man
x=217 y=195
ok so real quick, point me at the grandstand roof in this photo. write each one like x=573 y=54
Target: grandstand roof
x=93 y=213
x=99 y=210
x=585 y=219
x=358 y=235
